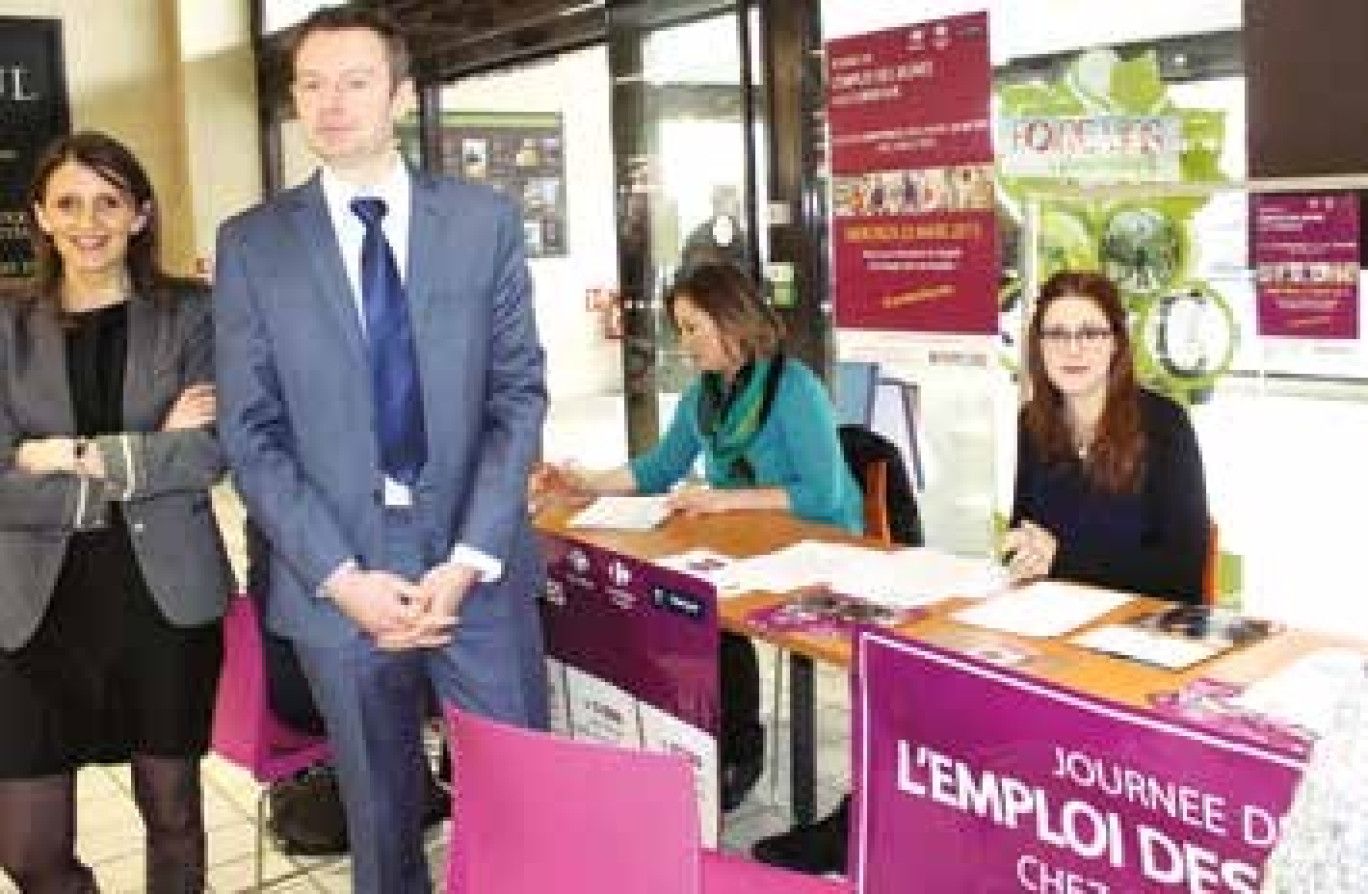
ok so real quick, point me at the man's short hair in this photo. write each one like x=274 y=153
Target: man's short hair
x=348 y=18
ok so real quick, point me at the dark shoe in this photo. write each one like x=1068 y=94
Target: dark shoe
x=307 y=816
x=738 y=779
x=817 y=848
x=309 y=819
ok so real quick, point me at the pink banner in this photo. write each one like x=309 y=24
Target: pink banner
x=1306 y=263
x=976 y=778
x=913 y=233
x=632 y=658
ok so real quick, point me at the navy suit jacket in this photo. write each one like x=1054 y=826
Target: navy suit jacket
x=295 y=407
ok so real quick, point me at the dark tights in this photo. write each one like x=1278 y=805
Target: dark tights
x=38 y=830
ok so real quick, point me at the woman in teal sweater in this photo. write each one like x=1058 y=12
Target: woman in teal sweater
x=766 y=430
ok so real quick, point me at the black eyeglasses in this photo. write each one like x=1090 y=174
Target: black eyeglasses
x=1083 y=336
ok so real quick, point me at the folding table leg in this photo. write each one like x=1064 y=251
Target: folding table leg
x=803 y=740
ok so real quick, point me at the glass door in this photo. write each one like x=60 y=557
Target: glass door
x=686 y=176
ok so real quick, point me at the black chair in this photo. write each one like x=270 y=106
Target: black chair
x=890 y=504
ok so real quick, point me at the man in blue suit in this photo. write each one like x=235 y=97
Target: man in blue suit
x=381 y=399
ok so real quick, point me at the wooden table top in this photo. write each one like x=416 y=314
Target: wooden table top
x=751 y=533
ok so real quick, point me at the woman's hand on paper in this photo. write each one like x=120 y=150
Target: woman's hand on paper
x=691 y=501
x=1029 y=551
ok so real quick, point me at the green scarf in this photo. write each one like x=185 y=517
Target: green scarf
x=730 y=417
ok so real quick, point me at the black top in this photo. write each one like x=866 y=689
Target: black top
x=1153 y=541
x=97 y=344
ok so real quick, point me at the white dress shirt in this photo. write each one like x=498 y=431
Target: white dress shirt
x=396 y=190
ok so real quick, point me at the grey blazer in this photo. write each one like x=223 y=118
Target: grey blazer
x=295 y=392
x=159 y=480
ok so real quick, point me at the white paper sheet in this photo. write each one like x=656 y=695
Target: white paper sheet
x=922 y=575
x=1148 y=646
x=1042 y=609
x=622 y=513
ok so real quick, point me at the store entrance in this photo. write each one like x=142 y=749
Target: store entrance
x=686 y=176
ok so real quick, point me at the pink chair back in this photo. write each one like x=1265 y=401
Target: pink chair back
x=245 y=731
x=536 y=812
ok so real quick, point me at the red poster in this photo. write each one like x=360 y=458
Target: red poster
x=1306 y=260
x=913 y=232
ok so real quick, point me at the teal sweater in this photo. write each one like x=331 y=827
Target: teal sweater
x=796 y=449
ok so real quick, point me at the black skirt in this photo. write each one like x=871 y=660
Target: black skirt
x=106 y=676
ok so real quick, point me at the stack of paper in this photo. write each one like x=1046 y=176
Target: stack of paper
x=904 y=579
x=921 y=575
x=804 y=564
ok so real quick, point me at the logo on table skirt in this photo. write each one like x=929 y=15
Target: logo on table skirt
x=619 y=573
x=676 y=602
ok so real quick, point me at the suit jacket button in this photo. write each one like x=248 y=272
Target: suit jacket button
x=139 y=527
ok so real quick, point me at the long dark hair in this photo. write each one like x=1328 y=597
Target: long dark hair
x=116 y=164
x=1116 y=456
x=731 y=300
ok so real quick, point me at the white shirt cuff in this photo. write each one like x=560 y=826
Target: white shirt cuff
x=489 y=568
x=324 y=590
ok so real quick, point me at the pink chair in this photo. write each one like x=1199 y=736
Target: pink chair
x=536 y=812
x=246 y=732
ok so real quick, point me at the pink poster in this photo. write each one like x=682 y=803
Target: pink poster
x=914 y=242
x=1306 y=249
x=977 y=778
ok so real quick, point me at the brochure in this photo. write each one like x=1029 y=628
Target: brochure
x=819 y=611
x=1176 y=637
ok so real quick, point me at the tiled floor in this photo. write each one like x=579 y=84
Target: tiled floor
x=110 y=832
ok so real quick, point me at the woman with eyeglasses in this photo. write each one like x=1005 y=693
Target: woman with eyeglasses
x=766 y=430
x=1109 y=482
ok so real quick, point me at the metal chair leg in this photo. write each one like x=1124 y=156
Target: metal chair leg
x=776 y=735
x=257 y=858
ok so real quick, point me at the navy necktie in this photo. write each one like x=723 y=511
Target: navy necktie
x=397 y=391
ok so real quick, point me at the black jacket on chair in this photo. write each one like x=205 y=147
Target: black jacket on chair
x=864 y=448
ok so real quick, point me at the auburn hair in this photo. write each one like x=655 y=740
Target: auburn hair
x=1116 y=456
x=723 y=292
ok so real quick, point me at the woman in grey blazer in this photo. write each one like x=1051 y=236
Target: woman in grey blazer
x=113 y=576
